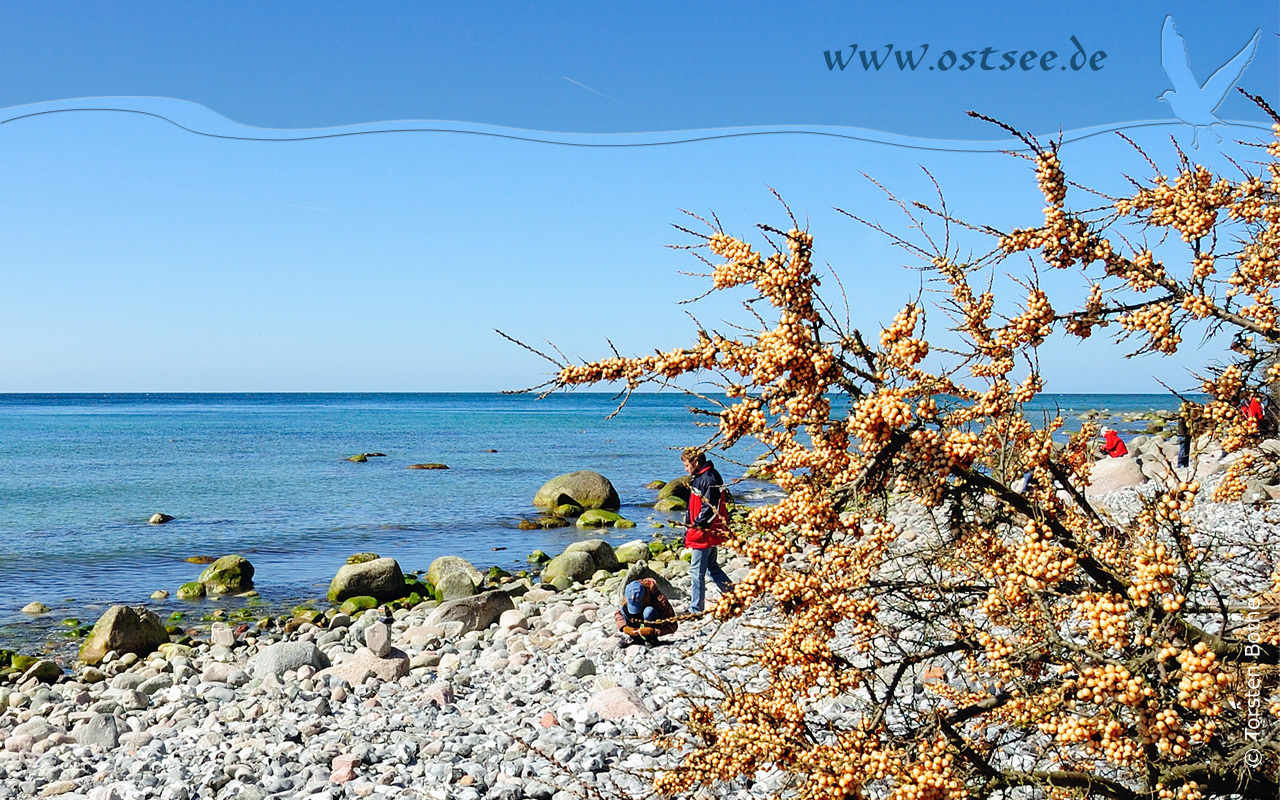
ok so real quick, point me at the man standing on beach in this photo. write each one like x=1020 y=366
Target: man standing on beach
x=707 y=523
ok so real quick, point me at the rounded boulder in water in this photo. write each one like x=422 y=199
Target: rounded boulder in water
x=583 y=488
x=380 y=578
x=228 y=574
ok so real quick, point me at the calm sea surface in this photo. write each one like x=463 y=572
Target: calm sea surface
x=266 y=476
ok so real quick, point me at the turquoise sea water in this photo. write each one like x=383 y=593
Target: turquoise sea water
x=266 y=475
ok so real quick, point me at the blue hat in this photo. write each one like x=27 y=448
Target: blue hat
x=635 y=597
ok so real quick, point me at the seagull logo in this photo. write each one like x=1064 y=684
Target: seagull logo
x=1191 y=102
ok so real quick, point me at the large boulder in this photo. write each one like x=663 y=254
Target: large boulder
x=452 y=565
x=281 y=657
x=1111 y=474
x=380 y=578
x=678 y=488
x=228 y=574
x=572 y=565
x=475 y=613
x=601 y=553
x=454 y=585
x=582 y=488
x=125 y=629
x=631 y=552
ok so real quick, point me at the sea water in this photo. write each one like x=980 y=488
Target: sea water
x=268 y=476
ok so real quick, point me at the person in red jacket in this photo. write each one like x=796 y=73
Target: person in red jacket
x=708 y=526
x=1252 y=409
x=646 y=613
x=1114 y=445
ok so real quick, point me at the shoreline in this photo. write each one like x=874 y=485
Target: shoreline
x=514 y=693
x=48 y=634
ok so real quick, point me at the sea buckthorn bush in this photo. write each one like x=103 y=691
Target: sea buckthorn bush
x=1022 y=643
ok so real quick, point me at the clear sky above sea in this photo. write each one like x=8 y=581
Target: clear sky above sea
x=141 y=256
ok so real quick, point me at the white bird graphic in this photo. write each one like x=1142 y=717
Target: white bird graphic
x=1192 y=103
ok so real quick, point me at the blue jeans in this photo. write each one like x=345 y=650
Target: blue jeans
x=702 y=564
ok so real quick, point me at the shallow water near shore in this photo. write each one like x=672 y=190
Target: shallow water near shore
x=266 y=476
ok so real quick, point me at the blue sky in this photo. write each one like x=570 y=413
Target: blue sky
x=142 y=257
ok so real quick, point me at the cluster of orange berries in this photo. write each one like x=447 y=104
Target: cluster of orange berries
x=1108 y=616
x=1189 y=205
x=1198 y=305
x=1202 y=267
x=1187 y=791
x=1235 y=481
x=1153 y=571
x=744 y=263
x=1090 y=316
x=1156 y=321
x=1201 y=679
x=899 y=342
x=876 y=417
x=1163 y=728
x=1032 y=325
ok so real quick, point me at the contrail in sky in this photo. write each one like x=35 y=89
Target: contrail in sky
x=589 y=89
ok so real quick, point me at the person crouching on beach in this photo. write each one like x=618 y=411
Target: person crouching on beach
x=646 y=613
x=708 y=524
x=1113 y=446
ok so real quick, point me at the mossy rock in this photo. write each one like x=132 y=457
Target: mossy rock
x=601 y=553
x=567 y=510
x=655 y=485
x=676 y=488
x=199 y=560
x=313 y=617
x=192 y=590
x=174 y=630
x=6 y=658
x=406 y=602
x=597 y=518
x=632 y=552
x=656 y=547
x=353 y=605
x=548 y=523
x=528 y=525
x=380 y=578
x=538 y=557
x=362 y=558
x=670 y=504
x=582 y=488
x=70 y=622
x=575 y=565
x=23 y=663
x=360 y=459
x=419 y=587
x=561 y=582
x=176 y=616
x=228 y=574
x=624 y=523
x=427 y=466
x=498 y=573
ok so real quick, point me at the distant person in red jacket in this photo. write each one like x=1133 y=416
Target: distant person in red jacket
x=1114 y=445
x=646 y=613
x=1252 y=409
